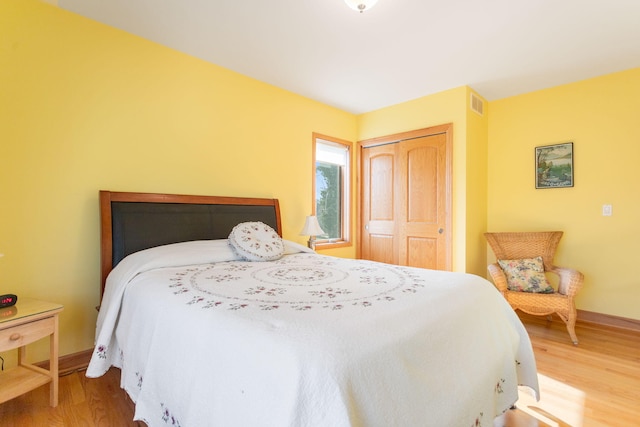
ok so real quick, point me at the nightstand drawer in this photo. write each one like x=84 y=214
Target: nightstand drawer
x=18 y=336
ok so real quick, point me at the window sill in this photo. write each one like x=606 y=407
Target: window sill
x=332 y=245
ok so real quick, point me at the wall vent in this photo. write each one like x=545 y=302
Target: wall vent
x=477 y=104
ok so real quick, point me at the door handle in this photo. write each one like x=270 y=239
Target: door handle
x=440 y=230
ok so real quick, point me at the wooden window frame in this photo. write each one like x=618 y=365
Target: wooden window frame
x=347 y=205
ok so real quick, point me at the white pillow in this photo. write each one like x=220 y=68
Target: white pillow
x=256 y=241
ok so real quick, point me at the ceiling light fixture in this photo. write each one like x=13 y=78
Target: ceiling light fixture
x=361 y=5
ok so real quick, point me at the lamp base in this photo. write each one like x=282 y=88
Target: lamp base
x=312 y=243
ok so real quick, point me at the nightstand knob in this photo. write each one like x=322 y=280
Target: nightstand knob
x=15 y=337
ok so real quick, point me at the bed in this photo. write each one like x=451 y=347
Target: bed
x=206 y=336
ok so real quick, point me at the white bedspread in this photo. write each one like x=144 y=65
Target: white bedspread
x=204 y=339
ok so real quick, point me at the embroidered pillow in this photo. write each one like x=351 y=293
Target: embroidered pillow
x=256 y=241
x=526 y=275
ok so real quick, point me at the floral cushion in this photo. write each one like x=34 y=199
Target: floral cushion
x=526 y=275
x=256 y=241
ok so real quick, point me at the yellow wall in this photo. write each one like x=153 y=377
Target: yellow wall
x=476 y=189
x=600 y=116
x=85 y=107
x=469 y=162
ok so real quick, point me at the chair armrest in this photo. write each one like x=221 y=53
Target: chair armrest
x=498 y=277
x=570 y=280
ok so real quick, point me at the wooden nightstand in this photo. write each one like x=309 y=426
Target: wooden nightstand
x=28 y=321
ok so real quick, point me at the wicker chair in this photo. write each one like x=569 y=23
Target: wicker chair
x=530 y=245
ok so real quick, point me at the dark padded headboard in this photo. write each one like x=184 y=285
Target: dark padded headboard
x=131 y=222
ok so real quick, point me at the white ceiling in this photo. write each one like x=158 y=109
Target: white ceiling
x=398 y=51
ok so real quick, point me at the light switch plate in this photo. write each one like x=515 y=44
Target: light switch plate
x=607 y=210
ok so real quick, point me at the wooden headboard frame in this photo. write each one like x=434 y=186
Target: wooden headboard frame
x=130 y=222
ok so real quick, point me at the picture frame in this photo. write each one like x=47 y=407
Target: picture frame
x=554 y=165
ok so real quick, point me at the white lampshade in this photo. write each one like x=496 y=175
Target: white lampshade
x=361 y=5
x=311 y=227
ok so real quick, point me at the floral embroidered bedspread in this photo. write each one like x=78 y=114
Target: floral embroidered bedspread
x=204 y=338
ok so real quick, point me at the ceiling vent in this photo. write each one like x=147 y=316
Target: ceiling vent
x=477 y=104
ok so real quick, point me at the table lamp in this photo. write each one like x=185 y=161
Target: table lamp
x=312 y=229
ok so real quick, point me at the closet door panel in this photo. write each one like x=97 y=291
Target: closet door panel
x=378 y=241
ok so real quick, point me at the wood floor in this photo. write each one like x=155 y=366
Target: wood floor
x=596 y=383
x=593 y=384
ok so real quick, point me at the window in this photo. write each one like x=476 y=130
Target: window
x=331 y=190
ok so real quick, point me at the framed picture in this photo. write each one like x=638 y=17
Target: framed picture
x=554 y=166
